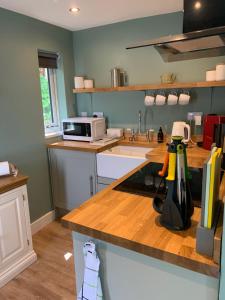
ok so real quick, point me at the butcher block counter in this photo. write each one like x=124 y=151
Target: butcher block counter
x=129 y=221
x=82 y=146
x=8 y=183
x=126 y=223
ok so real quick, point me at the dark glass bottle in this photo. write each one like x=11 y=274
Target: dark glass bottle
x=160 y=135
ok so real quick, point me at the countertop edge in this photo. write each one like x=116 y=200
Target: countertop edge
x=87 y=148
x=171 y=258
x=12 y=183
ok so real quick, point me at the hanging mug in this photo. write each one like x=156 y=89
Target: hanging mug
x=184 y=98
x=172 y=98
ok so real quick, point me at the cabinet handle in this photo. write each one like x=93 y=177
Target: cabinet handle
x=91 y=186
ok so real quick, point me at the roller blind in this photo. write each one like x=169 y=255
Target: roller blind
x=47 y=60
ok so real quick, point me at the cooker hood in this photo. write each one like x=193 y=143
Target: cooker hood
x=206 y=40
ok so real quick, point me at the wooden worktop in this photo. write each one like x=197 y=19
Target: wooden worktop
x=8 y=183
x=129 y=221
x=82 y=146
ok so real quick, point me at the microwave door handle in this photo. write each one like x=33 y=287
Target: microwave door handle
x=91 y=185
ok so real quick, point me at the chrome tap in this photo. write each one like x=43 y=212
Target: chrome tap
x=132 y=138
x=139 y=122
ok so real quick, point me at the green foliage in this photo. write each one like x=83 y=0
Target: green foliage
x=46 y=100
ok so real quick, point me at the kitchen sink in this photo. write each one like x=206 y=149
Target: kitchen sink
x=119 y=160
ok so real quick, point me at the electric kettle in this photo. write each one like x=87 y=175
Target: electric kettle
x=182 y=129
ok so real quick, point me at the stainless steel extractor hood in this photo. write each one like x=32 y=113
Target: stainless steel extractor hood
x=208 y=42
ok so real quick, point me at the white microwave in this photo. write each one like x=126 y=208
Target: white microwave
x=83 y=129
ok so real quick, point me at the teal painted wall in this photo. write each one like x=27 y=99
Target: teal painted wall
x=99 y=49
x=21 y=122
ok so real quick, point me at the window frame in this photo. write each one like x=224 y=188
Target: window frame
x=55 y=126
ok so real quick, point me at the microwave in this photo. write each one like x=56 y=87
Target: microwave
x=83 y=129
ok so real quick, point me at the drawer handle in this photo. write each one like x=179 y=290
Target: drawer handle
x=91 y=186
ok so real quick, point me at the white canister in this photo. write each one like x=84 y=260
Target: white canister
x=211 y=75
x=88 y=83
x=79 y=82
x=220 y=72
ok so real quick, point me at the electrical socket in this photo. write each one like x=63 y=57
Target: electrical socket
x=195 y=116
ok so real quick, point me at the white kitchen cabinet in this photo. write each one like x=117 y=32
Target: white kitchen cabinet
x=16 y=250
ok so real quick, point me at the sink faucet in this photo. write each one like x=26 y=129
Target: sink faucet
x=139 y=122
x=132 y=138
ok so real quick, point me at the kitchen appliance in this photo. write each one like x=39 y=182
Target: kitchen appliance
x=203 y=33
x=145 y=182
x=83 y=129
x=209 y=123
x=182 y=129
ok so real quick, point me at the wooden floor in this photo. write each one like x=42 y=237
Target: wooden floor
x=51 y=277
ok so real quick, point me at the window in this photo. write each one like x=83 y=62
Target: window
x=47 y=72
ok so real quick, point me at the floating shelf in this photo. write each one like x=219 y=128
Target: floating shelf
x=144 y=87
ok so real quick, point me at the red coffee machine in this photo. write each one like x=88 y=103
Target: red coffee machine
x=209 y=129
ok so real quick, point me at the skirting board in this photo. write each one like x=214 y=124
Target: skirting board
x=42 y=222
x=17 y=268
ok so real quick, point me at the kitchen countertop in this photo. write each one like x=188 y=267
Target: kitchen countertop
x=196 y=155
x=8 y=183
x=82 y=146
x=129 y=221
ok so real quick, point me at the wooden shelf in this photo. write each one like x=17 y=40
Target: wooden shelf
x=143 y=87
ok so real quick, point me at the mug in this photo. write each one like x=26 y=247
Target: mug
x=160 y=99
x=172 y=99
x=184 y=99
x=149 y=100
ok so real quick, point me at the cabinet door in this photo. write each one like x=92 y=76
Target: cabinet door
x=13 y=236
x=73 y=177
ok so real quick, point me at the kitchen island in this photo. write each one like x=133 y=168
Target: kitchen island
x=140 y=259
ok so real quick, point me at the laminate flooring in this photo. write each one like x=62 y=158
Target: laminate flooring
x=52 y=276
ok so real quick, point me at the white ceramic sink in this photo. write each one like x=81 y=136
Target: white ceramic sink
x=119 y=160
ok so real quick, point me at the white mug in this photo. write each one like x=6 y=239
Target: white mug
x=172 y=99
x=149 y=100
x=184 y=99
x=160 y=99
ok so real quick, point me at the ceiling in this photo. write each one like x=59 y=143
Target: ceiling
x=92 y=12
